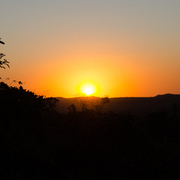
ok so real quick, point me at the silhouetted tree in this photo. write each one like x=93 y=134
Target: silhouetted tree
x=99 y=105
x=4 y=61
x=91 y=103
x=72 y=108
x=50 y=103
x=20 y=101
x=83 y=102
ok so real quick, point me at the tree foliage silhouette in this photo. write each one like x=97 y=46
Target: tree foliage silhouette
x=19 y=101
x=99 y=105
x=3 y=62
x=1 y=41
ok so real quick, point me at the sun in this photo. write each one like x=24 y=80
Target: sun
x=87 y=88
x=88 y=91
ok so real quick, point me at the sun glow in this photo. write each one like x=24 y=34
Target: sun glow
x=88 y=89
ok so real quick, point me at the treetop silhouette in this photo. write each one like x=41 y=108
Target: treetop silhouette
x=4 y=62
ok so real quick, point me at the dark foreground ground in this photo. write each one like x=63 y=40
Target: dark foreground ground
x=38 y=143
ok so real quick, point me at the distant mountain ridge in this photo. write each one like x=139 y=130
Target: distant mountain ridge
x=167 y=95
x=134 y=105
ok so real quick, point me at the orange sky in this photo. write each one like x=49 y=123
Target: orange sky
x=125 y=49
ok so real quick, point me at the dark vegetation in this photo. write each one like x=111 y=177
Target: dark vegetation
x=3 y=62
x=38 y=142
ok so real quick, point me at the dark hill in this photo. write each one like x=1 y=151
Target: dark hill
x=135 y=105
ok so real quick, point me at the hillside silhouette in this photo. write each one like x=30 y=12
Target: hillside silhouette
x=136 y=105
x=39 y=141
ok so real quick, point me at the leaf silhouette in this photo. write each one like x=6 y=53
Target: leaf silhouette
x=1 y=41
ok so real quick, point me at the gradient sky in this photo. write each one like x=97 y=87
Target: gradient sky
x=125 y=47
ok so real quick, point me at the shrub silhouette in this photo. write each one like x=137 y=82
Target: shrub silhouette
x=20 y=101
